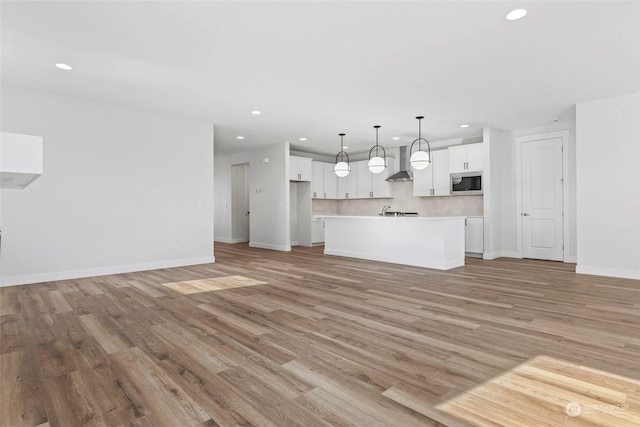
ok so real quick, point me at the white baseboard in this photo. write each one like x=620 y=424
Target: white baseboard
x=271 y=246
x=509 y=254
x=610 y=272
x=225 y=240
x=102 y=271
x=571 y=259
x=491 y=255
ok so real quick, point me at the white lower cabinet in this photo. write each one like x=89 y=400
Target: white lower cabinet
x=474 y=235
x=317 y=231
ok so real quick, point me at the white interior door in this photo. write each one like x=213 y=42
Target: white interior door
x=542 y=199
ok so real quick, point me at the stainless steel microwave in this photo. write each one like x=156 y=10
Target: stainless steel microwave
x=466 y=183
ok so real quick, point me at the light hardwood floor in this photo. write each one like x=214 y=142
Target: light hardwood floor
x=325 y=341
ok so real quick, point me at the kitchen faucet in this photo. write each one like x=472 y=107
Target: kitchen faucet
x=385 y=208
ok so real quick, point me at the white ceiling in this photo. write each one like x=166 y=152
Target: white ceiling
x=319 y=68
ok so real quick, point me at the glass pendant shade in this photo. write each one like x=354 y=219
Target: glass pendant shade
x=420 y=160
x=376 y=164
x=342 y=169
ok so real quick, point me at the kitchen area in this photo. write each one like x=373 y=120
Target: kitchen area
x=397 y=196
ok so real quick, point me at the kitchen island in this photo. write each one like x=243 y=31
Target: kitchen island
x=432 y=242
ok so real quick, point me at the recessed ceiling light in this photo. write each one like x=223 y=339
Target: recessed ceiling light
x=256 y=112
x=345 y=148
x=555 y=120
x=396 y=138
x=240 y=137
x=464 y=126
x=516 y=14
x=303 y=139
x=65 y=67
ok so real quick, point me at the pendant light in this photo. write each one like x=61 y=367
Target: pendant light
x=377 y=164
x=342 y=168
x=420 y=159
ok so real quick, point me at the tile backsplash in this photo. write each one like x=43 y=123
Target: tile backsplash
x=403 y=200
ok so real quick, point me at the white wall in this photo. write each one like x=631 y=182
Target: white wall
x=608 y=190
x=269 y=196
x=121 y=189
x=497 y=168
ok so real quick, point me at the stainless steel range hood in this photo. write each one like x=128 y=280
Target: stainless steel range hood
x=405 y=172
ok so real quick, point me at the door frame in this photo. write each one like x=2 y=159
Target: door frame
x=564 y=134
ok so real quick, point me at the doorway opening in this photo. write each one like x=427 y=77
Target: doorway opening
x=240 y=204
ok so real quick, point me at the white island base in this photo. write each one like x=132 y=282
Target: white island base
x=420 y=241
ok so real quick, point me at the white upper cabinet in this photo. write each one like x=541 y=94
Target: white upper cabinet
x=348 y=186
x=440 y=163
x=380 y=187
x=324 y=181
x=21 y=160
x=466 y=158
x=372 y=185
x=364 y=179
x=330 y=181
x=434 y=180
x=299 y=168
x=317 y=180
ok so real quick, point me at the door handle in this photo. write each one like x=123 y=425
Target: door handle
x=524 y=214
x=247 y=214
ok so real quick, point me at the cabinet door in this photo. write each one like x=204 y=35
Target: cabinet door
x=293 y=168
x=364 y=180
x=380 y=187
x=352 y=185
x=457 y=159
x=299 y=168
x=440 y=165
x=317 y=232
x=317 y=180
x=330 y=182
x=422 y=182
x=474 y=235
x=475 y=157
x=348 y=186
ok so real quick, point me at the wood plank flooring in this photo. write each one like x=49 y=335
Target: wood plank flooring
x=316 y=340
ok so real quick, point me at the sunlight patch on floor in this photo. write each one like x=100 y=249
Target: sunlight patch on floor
x=215 y=284
x=547 y=391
